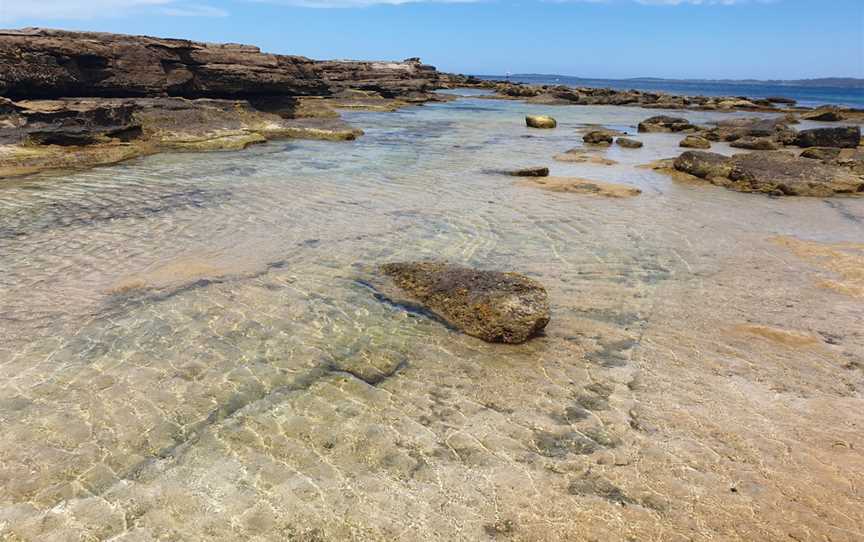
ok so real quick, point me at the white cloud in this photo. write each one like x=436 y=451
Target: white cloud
x=193 y=10
x=17 y=10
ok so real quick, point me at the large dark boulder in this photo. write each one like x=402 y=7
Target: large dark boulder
x=493 y=306
x=844 y=137
x=41 y=63
x=599 y=137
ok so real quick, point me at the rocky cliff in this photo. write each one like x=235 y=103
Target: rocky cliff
x=44 y=63
x=40 y=63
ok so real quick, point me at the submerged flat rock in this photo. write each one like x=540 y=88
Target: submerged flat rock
x=576 y=185
x=582 y=155
x=494 y=306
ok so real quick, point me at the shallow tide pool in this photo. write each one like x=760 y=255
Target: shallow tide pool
x=189 y=349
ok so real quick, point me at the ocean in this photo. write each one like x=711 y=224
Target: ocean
x=806 y=96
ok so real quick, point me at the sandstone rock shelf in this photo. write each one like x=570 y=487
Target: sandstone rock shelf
x=79 y=99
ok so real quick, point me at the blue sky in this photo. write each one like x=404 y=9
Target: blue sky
x=764 y=39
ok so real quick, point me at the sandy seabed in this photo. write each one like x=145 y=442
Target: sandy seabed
x=188 y=350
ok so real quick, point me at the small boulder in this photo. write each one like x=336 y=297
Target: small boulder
x=531 y=172
x=493 y=306
x=695 y=142
x=703 y=164
x=665 y=123
x=598 y=137
x=821 y=153
x=824 y=114
x=628 y=143
x=844 y=137
x=540 y=121
x=781 y=100
x=755 y=143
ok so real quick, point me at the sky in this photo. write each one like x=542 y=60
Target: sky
x=759 y=39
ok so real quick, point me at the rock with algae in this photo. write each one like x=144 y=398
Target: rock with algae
x=695 y=142
x=494 y=306
x=540 y=121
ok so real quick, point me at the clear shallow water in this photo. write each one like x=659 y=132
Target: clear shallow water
x=188 y=350
x=806 y=96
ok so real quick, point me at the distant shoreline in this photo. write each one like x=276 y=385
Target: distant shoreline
x=809 y=94
x=823 y=82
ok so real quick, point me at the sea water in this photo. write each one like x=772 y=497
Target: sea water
x=189 y=348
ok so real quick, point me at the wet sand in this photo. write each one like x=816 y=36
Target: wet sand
x=188 y=350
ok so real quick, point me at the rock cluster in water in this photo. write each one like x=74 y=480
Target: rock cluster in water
x=831 y=162
x=566 y=95
x=665 y=123
x=493 y=306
